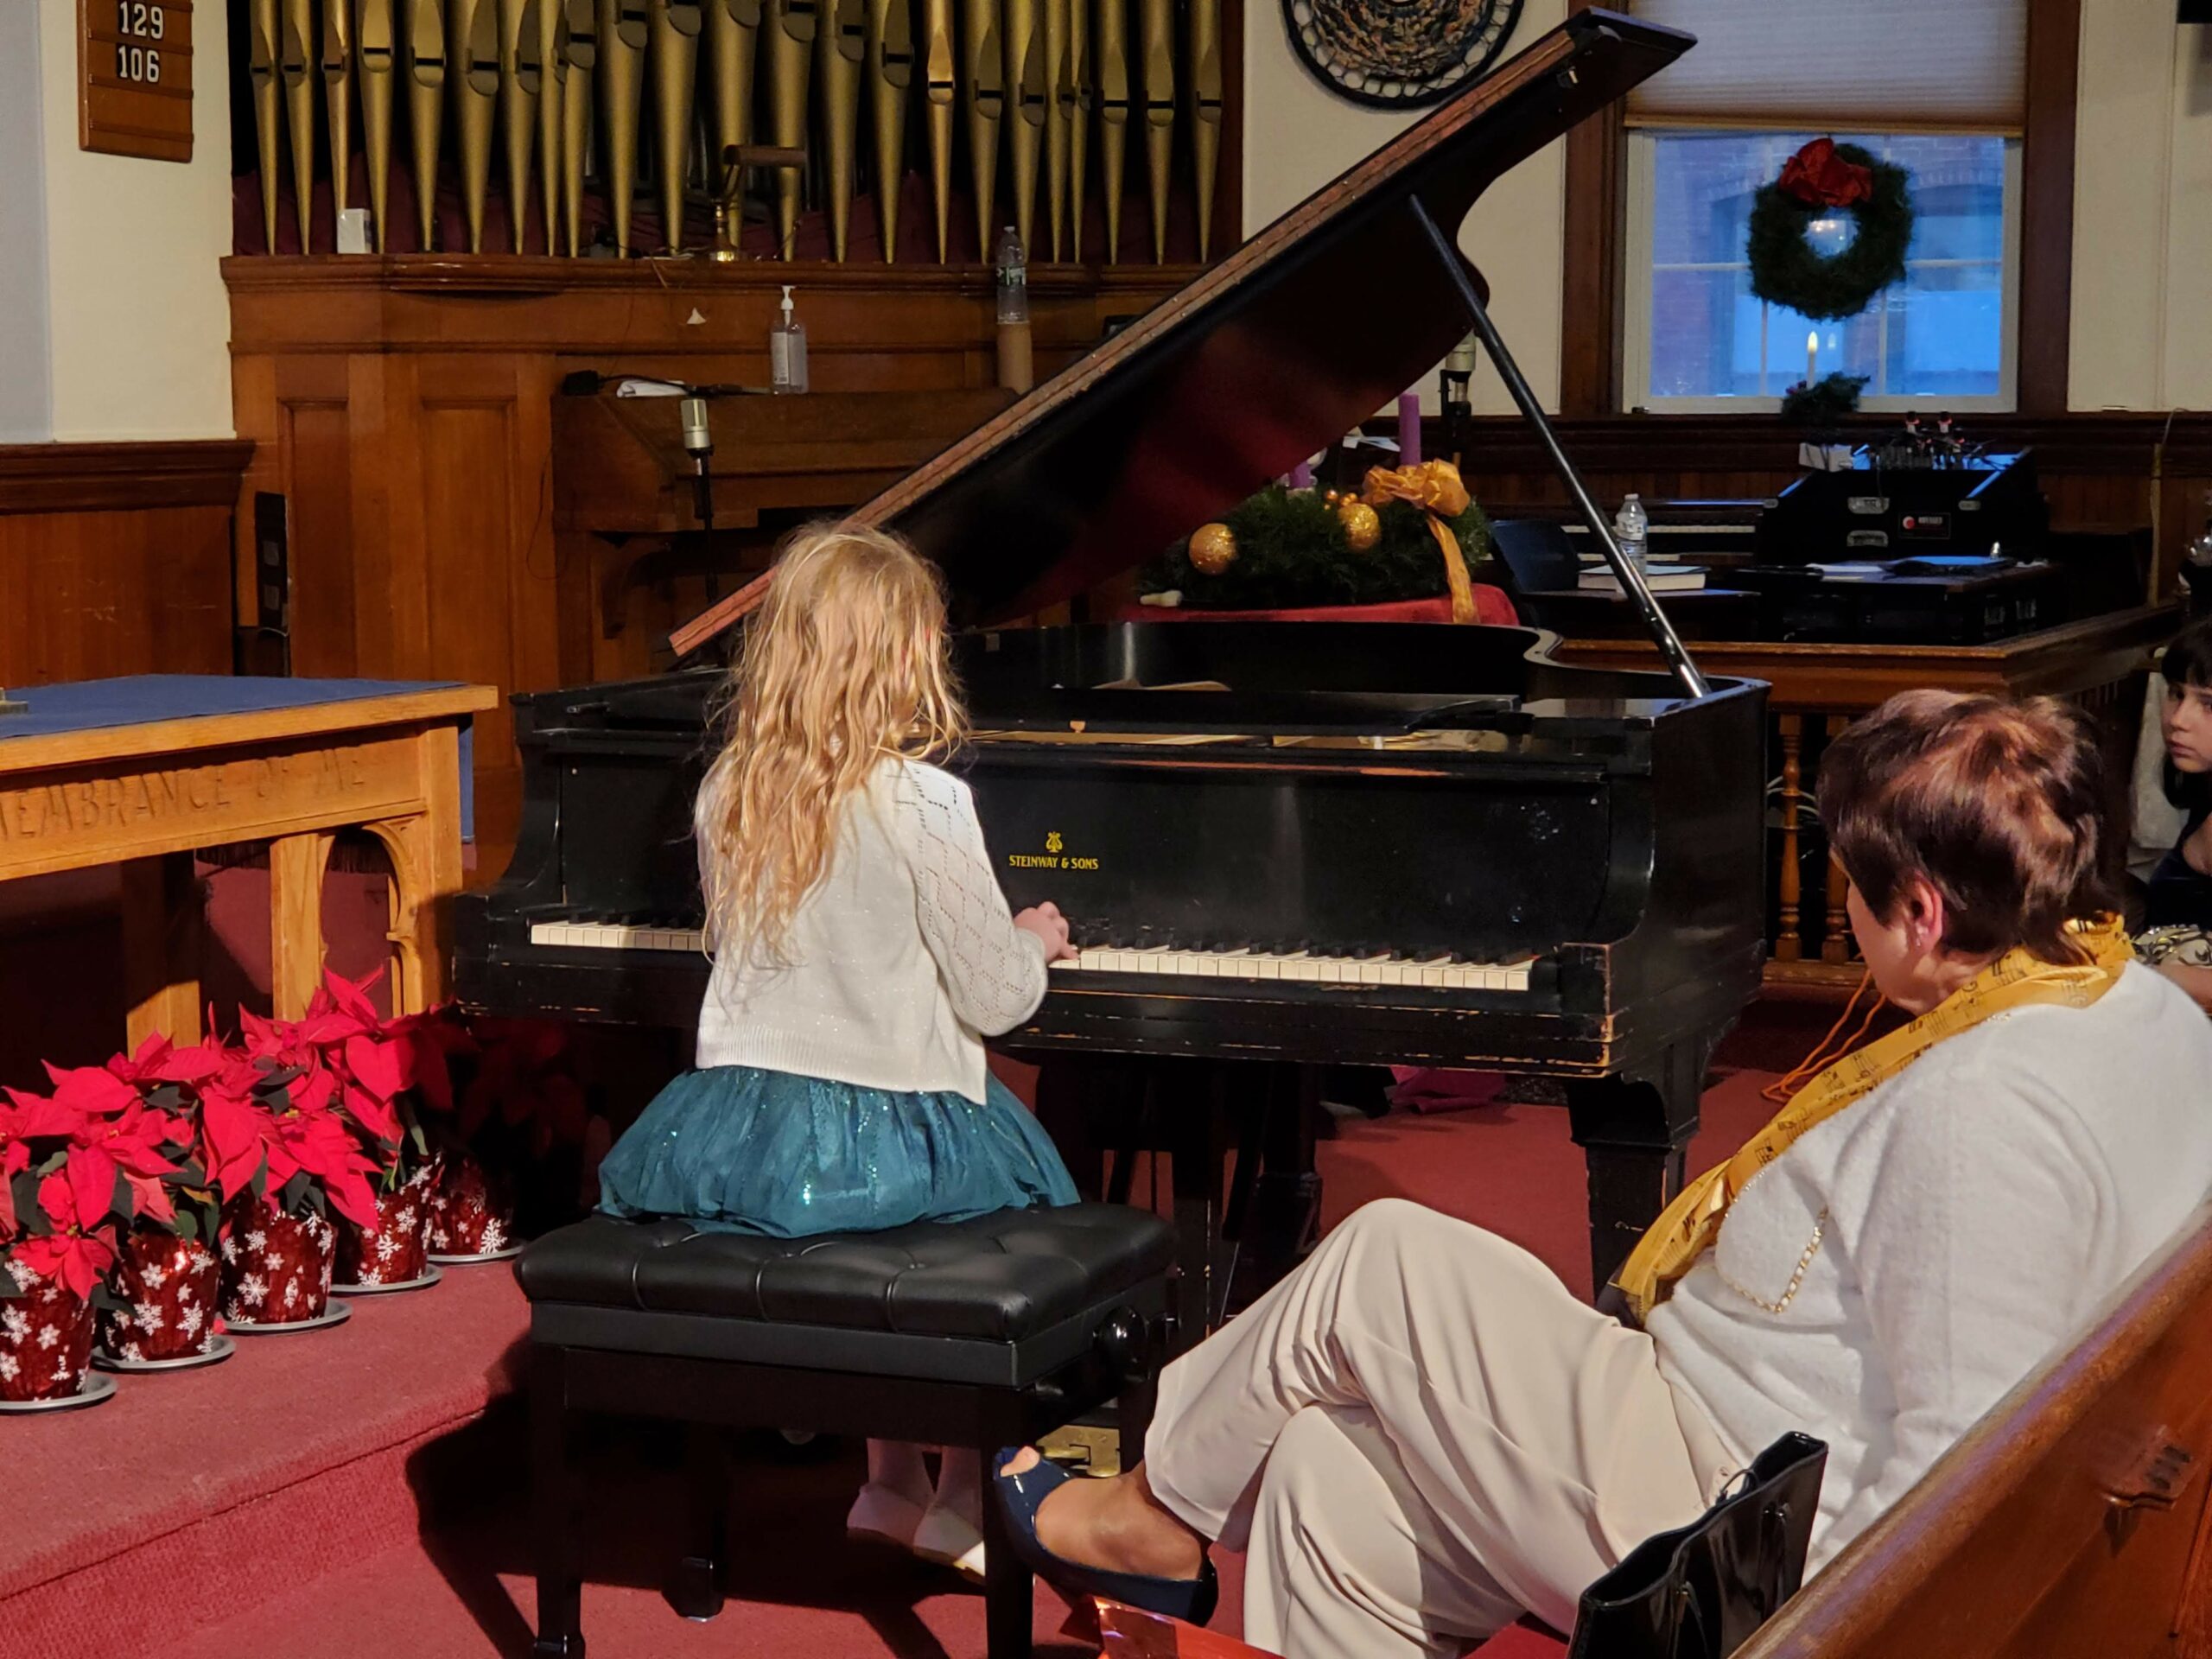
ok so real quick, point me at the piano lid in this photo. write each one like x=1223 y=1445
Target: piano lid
x=1308 y=330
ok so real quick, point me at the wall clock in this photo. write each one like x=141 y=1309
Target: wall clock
x=1395 y=54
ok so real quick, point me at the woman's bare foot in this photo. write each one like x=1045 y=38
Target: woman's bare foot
x=1116 y=1525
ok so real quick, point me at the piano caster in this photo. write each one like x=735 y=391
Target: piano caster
x=557 y=1647
x=693 y=1591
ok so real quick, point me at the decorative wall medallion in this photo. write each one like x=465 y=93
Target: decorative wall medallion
x=1398 y=55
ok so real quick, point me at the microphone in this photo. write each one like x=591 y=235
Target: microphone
x=699 y=443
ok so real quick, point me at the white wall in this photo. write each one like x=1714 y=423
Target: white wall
x=26 y=385
x=2142 y=337
x=138 y=320
x=1298 y=136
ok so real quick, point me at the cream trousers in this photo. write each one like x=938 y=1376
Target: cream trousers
x=1420 y=1436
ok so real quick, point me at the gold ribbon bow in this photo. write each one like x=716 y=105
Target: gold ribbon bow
x=1688 y=1226
x=1435 y=487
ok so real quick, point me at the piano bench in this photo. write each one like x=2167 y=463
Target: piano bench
x=980 y=1333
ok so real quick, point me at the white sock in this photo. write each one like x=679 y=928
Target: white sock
x=898 y=1466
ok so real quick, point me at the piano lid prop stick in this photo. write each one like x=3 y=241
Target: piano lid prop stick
x=472 y=46
x=1630 y=579
x=1158 y=18
x=985 y=81
x=267 y=107
x=582 y=54
x=622 y=34
x=375 y=44
x=790 y=25
x=422 y=40
x=295 y=44
x=843 y=51
x=674 y=31
x=1113 y=70
x=940 y=91
x=890 y=74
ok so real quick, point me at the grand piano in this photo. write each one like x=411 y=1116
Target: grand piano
x=1278 y=846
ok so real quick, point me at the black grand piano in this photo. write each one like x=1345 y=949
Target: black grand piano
x=1279 y=846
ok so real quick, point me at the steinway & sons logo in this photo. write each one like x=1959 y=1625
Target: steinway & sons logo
x=1054 y=858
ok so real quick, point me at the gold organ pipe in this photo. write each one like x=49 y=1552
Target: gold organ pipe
x=842 y=49
x=890 y=76
x=791 y=27
x=522 y=82
x=552 y=95
x=1205 y=108
x=1158 y=22
x=732 y=43
x=375 y=53
x=1113 y=70
x=337 y=67
x=1056 y=24
x=295 y=50
x=676 y=25
x=1030 y=96
x=1075 y=116
x=267 y=92
x=423 y=43
x=622 y=33
x=473 y=50
x=583 y=22
x=985 y=80
x=940 y=91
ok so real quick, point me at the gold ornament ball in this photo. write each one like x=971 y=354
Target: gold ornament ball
x=1213 y=548
x=1363 y=526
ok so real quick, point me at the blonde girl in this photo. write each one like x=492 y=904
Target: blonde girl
x=862 y=952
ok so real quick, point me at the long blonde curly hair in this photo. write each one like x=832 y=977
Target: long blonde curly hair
x=845 y=663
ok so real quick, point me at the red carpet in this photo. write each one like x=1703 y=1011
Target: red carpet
x=341 y=1495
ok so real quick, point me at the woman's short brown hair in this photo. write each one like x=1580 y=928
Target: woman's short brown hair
x=1999 y=805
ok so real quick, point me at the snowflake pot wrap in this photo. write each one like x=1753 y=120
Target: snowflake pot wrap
x=45 y=1337
x=393 y=1255
x=277 y=1268
x=172 y=1287
x=473 y=1210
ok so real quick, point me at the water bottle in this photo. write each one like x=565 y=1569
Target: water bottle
x=1632 y=529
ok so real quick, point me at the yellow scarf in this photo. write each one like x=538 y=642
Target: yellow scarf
x=1687 y=1227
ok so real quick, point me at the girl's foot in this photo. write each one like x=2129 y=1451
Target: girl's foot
x=881 y=1512
x=951 y=1539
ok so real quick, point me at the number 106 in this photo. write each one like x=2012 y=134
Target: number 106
x=140 y=63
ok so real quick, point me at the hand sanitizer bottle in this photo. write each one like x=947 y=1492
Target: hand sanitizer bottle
x=787 y=350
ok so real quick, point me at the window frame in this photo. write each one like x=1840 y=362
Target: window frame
x=1639 y=206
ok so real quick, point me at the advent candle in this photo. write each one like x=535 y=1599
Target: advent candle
x=1409 y=428
x=1812 y=360
x=1301 y=477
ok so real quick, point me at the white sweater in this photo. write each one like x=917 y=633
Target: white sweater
x=1978 y=1208
x=899 y=961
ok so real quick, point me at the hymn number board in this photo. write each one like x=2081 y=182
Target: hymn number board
x=135 y=66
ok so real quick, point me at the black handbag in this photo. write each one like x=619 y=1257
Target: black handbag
x=1699 y=1592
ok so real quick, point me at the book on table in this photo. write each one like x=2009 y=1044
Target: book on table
x=1659 y=578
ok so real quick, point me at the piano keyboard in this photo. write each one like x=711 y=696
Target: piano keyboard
x=1302 y=967
x=1296 y=967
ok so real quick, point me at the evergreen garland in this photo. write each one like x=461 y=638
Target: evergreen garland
x=1291 y=553
x=1786 y=271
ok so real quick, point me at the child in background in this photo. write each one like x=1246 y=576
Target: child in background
x=863 y=951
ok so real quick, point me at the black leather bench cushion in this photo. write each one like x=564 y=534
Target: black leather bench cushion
x=1000 y=1278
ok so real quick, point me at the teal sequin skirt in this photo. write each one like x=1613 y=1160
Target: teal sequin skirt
x=739 y=1149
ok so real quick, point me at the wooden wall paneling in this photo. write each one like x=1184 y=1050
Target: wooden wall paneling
x=2047 y=206
x=1590 y=323
x=314 y=435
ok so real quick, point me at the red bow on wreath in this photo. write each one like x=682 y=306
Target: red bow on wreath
x=1817 y=177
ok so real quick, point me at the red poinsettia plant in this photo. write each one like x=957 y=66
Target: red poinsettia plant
x=283 y=1125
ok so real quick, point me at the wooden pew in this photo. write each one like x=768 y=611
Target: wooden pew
x=2071 y=1520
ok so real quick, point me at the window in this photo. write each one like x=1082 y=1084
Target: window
x=1696 y=338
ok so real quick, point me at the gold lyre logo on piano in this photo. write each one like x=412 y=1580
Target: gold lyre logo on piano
x=1052 y=841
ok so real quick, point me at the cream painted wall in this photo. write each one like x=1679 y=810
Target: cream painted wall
x=1298 y=136
x=138 y=322
x=2142 y=292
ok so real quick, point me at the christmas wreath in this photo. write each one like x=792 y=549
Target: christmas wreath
x=1822 y=176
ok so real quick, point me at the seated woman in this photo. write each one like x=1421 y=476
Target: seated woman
x=2177 y=938
x=1422 y=1434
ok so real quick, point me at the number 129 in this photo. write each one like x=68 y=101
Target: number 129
x=140 y=18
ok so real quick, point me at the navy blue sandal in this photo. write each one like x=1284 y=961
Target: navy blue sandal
x=1020 y=1497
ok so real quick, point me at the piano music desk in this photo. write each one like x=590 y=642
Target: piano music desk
x=144 y=770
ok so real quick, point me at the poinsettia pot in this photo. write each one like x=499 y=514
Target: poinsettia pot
x=393 y=1254
x=472 y=1212
x=172 y=1287
x=277 y=1268
x=46 y=1336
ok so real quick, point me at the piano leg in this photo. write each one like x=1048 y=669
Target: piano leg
x=1633 y=1130
x=1193 y=1112
x=1274 y=1232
